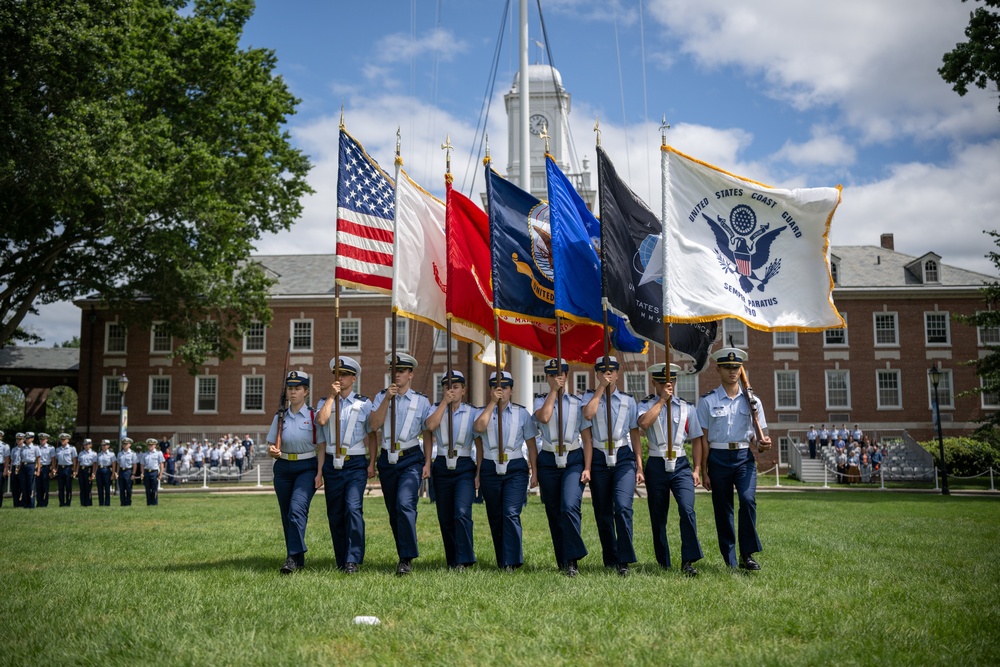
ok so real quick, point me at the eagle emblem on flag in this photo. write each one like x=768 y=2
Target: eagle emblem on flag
x=743 y=248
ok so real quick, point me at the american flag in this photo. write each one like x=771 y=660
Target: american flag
x=365 y=211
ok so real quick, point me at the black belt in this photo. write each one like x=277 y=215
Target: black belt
x=61 y=467
x=103 y=467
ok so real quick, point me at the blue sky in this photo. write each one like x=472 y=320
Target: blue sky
x=785 y=92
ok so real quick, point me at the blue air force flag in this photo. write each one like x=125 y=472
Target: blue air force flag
x=738 y=248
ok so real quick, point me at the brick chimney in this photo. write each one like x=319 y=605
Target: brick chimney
x=887 y=242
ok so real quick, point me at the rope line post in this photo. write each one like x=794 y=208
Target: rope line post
x=826 y=476
x=204 y=477
x=777 y=475
x=881 y=477
x=258 y=477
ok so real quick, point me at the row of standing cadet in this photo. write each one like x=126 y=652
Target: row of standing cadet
x=29 y=467
x=721 y=430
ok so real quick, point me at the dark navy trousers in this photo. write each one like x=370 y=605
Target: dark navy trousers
x=295 y=486
x=65 y=480
x=104 y=487
x=42 y=486
x=454 y=491
x=400 y=489
x=86 y=499
x=125 y=487
x=562 y=495
x=729 y=470
x=151 y=482
x=26 y=480
x=659 y=485
x=345 y=494
x=505 y=496
x=612 y=491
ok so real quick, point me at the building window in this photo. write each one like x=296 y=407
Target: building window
x=160 y=342
x=159 y=393
x=988 y=335
x=441 y=341
x=115 y=338
x=834 y=271
x=836 y=337
x=302 y=335
x=580 y=382
x=253 y=394
x=786 y=390
x=206 y=394
x=687 y=387
x=350 y=335
x=838 y=390
x=936 y=329
x=253 y=337
x=886 y=329
x=946 y=396
x=737 y=330
x=786 y=339
x=112 y=399
x=635 y=384
x=438 y=389
x=890 y=392
x=930 y=271
x=402 y=334
x=990 y=400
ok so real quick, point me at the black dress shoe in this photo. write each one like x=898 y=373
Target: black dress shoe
x=289 y=566
x=403 y=567
x=457 y=568
x=351 y=568
x=688 y=569
x=748 y=563
x=623 y=569
x=571 y=569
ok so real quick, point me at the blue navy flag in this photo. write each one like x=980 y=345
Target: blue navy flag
x=576 y=238
x=629 y=234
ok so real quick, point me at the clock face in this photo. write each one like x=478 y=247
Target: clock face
x=536 y=123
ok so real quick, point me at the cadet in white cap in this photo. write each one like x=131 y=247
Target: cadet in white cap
x=453 y=472
x=45 y=472
x=152 y=463
x=86 y=462
x=563 y=471
x=4 y=464
x=298 y=468
x=29 y=468
x=66 y=461
x=402 y=464
x=617 y=467
x=13 y=463
x=725 y=415
x=346 y=472
x=106 y=463
x=124 y=469
x=668 y=468
x=503 y=473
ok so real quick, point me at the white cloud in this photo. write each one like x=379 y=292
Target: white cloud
x=437 y=42
x=822 y=149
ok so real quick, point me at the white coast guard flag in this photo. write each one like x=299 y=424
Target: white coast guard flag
x=420 y=268
x=738 y=248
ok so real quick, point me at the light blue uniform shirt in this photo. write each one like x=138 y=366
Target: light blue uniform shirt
x=30 y=454
x=407 y=430
x=45 y=453
x=65 y=455
x=599 y=424
x=87 y=458
x=812 y=435
x=549 y=432
x=4 y=453
x=691 y=427
x=728 y=419
x=355 y=402
x=127 y=459
x=15 y=455
x=105 y=459
x=151 y=460
x=464 y=435
x=297 y=436
x=515 y=417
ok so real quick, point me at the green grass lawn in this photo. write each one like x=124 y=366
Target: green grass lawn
x=859 y=578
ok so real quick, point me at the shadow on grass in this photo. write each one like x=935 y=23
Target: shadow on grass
x=324 y=563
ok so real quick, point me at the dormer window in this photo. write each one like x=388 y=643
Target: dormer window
x=931 y=271
x=833 y=272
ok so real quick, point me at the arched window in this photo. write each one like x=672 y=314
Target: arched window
x=834 y=272
x=930 y=271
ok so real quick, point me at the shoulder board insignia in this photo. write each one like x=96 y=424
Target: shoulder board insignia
x=707 y=393
x=649 y=398
x=362 y=398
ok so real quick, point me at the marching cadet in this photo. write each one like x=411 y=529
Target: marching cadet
x=29 y=468
x=106 y=463
x=346 y=472
x=66 y=462
x=4 y=465
x=86 y=462
x=725 y=415
x=563 y=471
x=152 y=462
x=617 y=467
x=13 y=463
x=124 y=468
x=503 y=473
x=453 y=473
x=45 y=472
x=400 y=464
x=668 y=468
x=298 y=468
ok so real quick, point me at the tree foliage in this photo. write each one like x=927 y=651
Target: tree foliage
x=977 y=61
x=142 y=153
x=966 y=457
x=988 y=366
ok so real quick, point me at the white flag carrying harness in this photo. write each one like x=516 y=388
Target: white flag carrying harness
x=339 y=453
x=612 y=444
x=460 y=436
x=570 y=434
x=680 y=433
x=508 y=448
x=387 y=443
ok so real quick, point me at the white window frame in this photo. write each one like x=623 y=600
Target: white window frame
x=439 y=341
x=836 y=332
x=777 y=382
x=738 y=330
x=110 y=382
x=879 y=372
x=577 y=377
x=835 y=272
x=402 y=337
x=784 y=344
x=438 y=392
x=107 y=338
x=153 y=351
x=263 y=338
x=243 y=394
x=345 y=347
x=687 y=387
x=895 y=328
x=983 y=396
x=932 y=271
x=153 y=379
x=827 y=374
x=312 y=334
x=640 y=380
x=947 y=328
x=994 y=335
x=539 y=385
x=198 y=410
x=946 y=390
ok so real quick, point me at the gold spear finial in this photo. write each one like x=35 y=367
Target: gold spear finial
x=447 y=148
x=342 y=126
x=664 y=126
x=597 y=129
x=545 y=135
x=399 y=141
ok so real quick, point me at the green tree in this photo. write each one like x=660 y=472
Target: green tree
x=977 y=61
x=11 y=410
x=142 y=153
x=60 y=410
